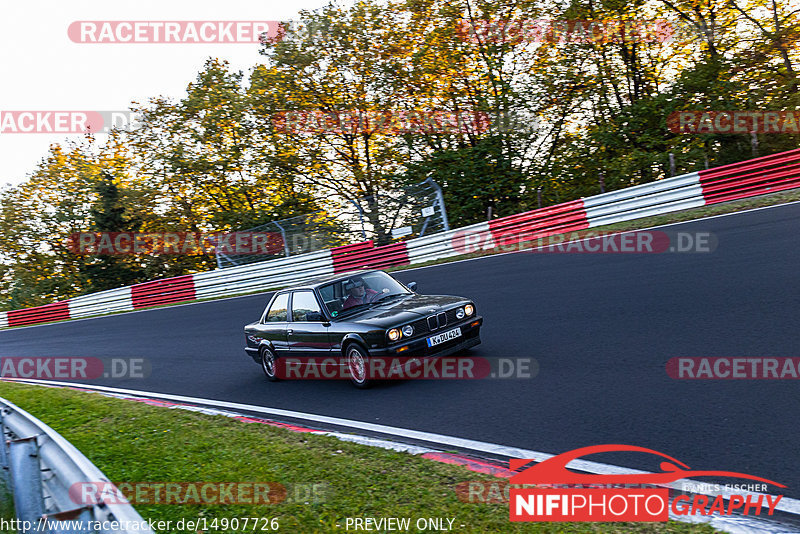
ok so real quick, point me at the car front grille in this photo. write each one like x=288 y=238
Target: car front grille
x=451 y=316
x=420 y=326
x=434 y=323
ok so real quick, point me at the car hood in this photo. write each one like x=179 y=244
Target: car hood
x=405 y=309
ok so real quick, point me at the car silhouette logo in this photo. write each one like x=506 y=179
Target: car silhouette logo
x=554 y=470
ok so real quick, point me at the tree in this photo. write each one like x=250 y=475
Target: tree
x=108 y=271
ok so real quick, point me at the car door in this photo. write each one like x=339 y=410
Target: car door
x=274 y=323
x=307 y=331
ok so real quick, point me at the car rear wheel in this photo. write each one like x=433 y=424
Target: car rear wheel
x=358 y=365
x=269 y=364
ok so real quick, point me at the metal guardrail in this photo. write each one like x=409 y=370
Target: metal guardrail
x=263 y=275
x=39 y=467
x=112 y=300
x=664 y=196
x=758 y=176
x=740 y=180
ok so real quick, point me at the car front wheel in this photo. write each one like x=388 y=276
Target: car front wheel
x=358 y=365
x=269 y=364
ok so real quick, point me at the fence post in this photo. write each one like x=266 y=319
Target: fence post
x=440 y=201
x=671 y=164
x=539 y=196
x=27 y=481
x=360 y=218
x=283 y=236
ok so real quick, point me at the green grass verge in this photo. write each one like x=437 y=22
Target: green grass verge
x=130 y=441
x=771 y=199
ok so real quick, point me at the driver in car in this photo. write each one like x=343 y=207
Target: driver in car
x=358 y=293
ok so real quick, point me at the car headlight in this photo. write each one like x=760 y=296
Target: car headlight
x=469 y=309
x=394 y=334
x=408 y=330
x=460 y=313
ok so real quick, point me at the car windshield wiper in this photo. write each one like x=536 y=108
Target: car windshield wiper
x=384 y=297
x=367 y=305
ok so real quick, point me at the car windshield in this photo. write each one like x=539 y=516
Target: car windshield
x=359 y=291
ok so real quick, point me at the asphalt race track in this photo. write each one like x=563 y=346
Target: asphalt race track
x=601 y=326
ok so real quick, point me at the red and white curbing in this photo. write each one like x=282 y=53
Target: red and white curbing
x=730 y=182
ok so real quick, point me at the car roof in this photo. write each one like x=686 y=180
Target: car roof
x=322 y=280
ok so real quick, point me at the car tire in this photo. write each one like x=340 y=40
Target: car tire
x=269 y=364
x=358 y=365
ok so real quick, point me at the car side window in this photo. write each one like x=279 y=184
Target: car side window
x=305 y=307
x=278 y=312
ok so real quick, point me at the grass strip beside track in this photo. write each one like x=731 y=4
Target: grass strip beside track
x=132 y=441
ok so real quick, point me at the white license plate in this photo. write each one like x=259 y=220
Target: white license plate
x=444 y=336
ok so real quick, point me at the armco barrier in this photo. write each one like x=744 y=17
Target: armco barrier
x=57 y=311
x=566 y=217
x=262 y=275
x=113 y=300
x=40 y=467
x=447 y=244
x=753 y=177
x=672 y=194
x=158 y=292
x=365 y=255
x=730 y=182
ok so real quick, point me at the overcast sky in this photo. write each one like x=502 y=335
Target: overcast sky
x=44 y=70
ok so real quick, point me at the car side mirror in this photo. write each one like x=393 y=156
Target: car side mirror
x=314 y=316
x=412 y=286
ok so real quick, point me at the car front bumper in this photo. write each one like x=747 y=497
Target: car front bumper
x=418 y=348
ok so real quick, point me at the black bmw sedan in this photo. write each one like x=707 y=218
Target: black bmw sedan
x=354 y=319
